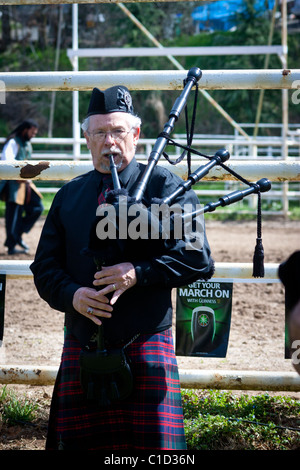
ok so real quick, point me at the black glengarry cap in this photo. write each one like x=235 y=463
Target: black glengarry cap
x=114 y=99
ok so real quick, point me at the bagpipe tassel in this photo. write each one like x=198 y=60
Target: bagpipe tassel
x=258 y=258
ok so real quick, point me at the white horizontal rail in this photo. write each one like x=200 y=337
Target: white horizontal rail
x=175 y=51
x=209 y=139
x=241 y=154
x=150 y=80
x=260 y=141
x=233 y=271
x=275 y=171
x=61 y=170
x=239 y=380
x=191 y=379
x=27 y=374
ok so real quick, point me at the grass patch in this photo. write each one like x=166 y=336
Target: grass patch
x=214 y=420
x=217 y=420
x=16 y=409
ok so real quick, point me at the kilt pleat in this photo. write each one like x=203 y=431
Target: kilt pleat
x=151 y=418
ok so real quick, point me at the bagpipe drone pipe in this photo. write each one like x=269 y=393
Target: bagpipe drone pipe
x=112 y=250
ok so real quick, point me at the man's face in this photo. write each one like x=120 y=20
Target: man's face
x=30 y=133
x=102 y=143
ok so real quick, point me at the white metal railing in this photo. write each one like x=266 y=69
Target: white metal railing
x=271 y=79
x=64 y=170
x=237 y=272
x=189 y=378
x=56 y=170
x=175 y=51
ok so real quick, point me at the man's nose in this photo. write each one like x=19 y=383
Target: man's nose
x=108 y=138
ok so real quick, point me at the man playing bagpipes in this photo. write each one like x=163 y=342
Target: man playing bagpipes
x=118 y=386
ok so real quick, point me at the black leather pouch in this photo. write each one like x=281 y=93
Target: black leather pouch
x=105 y=375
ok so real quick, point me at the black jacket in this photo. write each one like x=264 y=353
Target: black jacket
x=60 y=266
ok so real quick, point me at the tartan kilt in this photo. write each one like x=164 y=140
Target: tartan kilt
x=151 y=418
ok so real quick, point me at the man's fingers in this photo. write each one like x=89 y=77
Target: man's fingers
x=92 y=304
x=119 y=277
x=115 y=297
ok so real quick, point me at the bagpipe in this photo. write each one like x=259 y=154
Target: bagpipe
x=105 y=373
x=114 y=251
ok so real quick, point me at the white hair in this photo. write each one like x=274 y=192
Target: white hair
x=135 y=122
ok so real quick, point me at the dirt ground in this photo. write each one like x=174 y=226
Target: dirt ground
x=33 y=333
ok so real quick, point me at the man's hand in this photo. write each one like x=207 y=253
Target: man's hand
x=116 y=279
x=92 y=304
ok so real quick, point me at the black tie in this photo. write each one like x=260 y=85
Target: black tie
x=106 y=187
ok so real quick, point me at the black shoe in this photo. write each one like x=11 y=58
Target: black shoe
x=23 y=245
x=14 y=251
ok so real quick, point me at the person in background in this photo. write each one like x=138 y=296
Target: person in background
x=22 y=198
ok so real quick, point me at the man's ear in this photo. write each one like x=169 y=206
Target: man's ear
x=136 y=135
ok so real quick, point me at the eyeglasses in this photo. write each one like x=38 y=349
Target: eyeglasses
x=118 y=135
